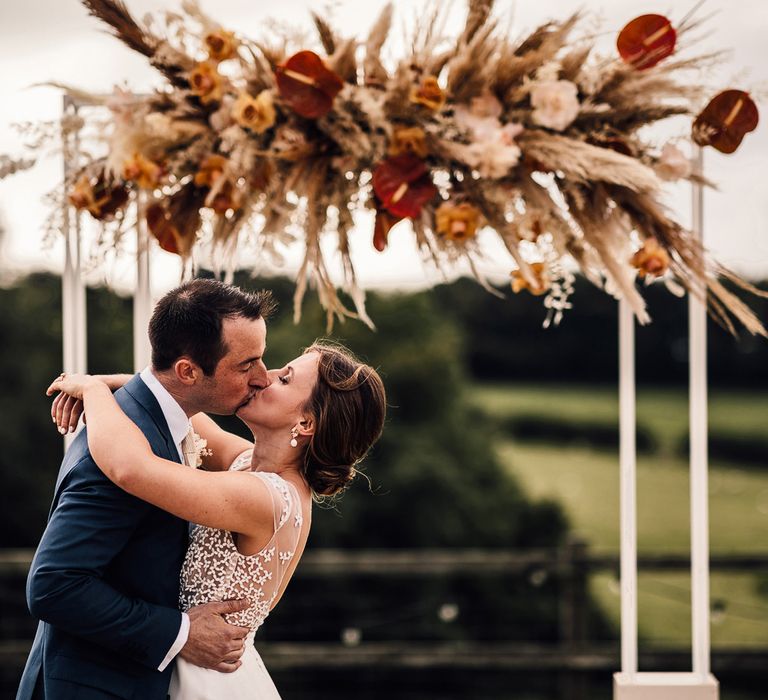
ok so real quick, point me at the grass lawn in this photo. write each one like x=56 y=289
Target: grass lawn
x=586 y=483
x=662 y=411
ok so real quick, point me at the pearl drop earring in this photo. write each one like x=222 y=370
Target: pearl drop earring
x=294 y=435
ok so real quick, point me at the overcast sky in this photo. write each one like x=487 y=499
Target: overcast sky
x=55 y=40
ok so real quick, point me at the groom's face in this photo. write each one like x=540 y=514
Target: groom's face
x=241 y=372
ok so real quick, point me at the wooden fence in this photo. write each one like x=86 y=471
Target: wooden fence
x=573 y=656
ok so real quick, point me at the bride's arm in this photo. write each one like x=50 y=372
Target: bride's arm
x=66 y=410
x=233 y=501
x=224 y=446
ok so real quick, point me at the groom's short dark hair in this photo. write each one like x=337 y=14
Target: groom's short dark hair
x=187 y=321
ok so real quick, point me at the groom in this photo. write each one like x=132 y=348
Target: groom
x=105 y=578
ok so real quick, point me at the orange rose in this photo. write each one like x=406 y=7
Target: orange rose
x=211 y=169
x=143 y=171
x=206 y=82
x=100 y=200
x=254 y=113
x=221 y=45
x=651 y=259
x=428 y=93
x=412 y=140
x=82 y=196
x=457 y=223
x=540 y=275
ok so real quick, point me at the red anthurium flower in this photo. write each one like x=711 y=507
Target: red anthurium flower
x=167 y=234
x=403 y=185
x=725 y=121
x=384 y=223
x=646 y=41
x=306 y=85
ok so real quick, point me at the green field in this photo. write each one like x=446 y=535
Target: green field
x=586 y=483
x=662 y=411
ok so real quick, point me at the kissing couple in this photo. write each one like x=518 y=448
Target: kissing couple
x=153 y=575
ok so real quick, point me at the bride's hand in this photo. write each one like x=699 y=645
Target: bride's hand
x=67 y=407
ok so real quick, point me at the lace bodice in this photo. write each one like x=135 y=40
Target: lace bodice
x=214 y=570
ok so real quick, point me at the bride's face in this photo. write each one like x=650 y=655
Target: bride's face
x=280 y=405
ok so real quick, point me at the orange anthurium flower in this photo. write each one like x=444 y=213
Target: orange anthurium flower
x=221 y=45
x=143 y=171
x=428 y=93
x=651 y=259
x=540 y=275
x=457 y=222
x=307 y=86
x=410 y=140
x=206 y=82
x=403 y=185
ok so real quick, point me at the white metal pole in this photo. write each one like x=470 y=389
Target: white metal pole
x=628 y=487
x=69 y=275
x=697 y=330
x=81 y=317
x=142 y=300
x=74 y=346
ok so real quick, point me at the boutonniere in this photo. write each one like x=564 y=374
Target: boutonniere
x=199 y=450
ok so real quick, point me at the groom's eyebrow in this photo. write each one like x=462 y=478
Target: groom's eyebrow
x=255 y=358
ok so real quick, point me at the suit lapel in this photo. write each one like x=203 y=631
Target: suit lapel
x=143 y=396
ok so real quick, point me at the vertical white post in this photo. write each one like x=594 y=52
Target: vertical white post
x=698 y=684
x=74 y=344
x=142 y=299
x=697 y=315
x=628 y=496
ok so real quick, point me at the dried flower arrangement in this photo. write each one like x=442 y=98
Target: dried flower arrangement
x=536 y=138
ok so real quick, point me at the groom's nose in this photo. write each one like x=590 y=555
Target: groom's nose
x=260 y=376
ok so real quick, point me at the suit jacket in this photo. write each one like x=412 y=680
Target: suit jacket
x=104 y=581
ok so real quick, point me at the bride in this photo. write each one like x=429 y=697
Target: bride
x=251 y=501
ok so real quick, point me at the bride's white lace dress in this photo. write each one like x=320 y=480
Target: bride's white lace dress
x=214 y=570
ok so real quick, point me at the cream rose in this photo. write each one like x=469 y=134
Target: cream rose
x=555 y=103
x=672 y=164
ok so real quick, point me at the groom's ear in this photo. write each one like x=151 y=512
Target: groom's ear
x=187 y=372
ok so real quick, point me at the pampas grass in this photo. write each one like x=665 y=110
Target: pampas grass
x=580 y=188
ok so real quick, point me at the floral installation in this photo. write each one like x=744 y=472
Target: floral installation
x=537 y=140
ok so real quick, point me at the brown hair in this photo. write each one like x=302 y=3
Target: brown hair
x=348 y=404
x=187 y=321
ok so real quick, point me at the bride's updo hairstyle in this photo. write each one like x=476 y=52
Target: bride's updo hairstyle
x=348 y=404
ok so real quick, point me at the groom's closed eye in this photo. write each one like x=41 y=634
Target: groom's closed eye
x=247 y=365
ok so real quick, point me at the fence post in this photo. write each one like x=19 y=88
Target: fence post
x=573 y=613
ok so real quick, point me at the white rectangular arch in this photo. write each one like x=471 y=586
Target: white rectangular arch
x=74 y=337
x=699 y=683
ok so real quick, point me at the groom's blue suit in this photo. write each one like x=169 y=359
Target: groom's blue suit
x=105 y=579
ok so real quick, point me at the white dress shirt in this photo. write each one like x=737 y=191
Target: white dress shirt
x=179 y=425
